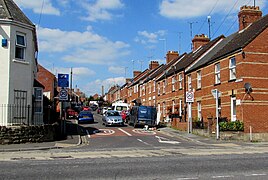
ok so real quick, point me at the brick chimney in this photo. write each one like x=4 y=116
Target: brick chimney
x=248 y=15
x=136 y=73
x=171 y=55
x=199 y=40
x=153 y=65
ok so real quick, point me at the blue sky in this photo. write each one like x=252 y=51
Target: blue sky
x=103 y=41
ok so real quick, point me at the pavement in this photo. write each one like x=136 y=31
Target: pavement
x=74 y=140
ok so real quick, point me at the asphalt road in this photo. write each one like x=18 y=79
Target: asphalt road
x=242 y=167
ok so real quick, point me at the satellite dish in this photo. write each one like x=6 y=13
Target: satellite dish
x=248 y=88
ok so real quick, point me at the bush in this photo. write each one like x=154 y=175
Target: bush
x=231 y=126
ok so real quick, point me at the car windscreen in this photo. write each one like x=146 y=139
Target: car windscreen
x=113 y=113
x=145 y=113
x=85 y=113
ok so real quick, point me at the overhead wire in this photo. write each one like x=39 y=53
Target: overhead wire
x=214 y=6
x=226 y=17
x=40 y=15
x=235 y=21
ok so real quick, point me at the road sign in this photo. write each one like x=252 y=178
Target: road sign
x=63 y=95
x=190 y=96
x=63 y=80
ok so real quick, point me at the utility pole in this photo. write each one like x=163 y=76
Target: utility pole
x=209 y=27
x=71 y=85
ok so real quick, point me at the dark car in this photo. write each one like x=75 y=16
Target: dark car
x=85 y=117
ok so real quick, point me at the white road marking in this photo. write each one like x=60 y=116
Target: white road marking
x=142 y=131
x=143 y=142
x=256 y=175
x=187 y=178
x=124 y=132
x=165 y=140
x=104 y=132
x=217 y=177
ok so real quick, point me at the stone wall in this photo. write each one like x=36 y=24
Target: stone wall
x=32 y=134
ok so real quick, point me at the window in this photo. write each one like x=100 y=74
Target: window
x=189 y=82
x=164 y=109
x=199 y=113
x=232 y=68
x=180 y=112
x=198 y=79
x=164 y=86
x=217 y=73
x=233 y=108
x=154 y=86
x=158 y=88
x=173 y=106
x=180 y=81
x=20 y=47
x=173 y=83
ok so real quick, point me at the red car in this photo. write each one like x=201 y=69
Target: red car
x=86 y=108
x=70 y=113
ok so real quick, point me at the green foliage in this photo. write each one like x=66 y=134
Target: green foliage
x=231 y=126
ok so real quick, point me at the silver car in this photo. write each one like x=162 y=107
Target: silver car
x=111 y=117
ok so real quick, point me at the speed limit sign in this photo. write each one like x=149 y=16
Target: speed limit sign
x=190 y=96
x=63 y=95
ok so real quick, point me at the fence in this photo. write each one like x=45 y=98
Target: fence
x=12 y=115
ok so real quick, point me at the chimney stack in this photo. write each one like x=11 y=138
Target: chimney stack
x=171 y=55
x=153 y=65
x=248 y=15
x=199 y=40
x=136 y=73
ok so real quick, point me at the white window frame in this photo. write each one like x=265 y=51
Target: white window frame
x=20 y=47
x=217 y=73
x=173 y=83
x=198 y=79
x=180 y=110
x=154 y=87
x=158 y=88
x=180 y=81
x=189 y=78
x=164 y=109
x=232 y=68
x=164 y=86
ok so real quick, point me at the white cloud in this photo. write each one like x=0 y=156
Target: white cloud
x=96 y=86
x=36 y=6
x=78 y=72
x=116 y=69
x=145 y=37
x=81 y=47
x=100 y=9
x=188 y=9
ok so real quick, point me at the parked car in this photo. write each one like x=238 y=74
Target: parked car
x=85 y=117
x=70 y=113
x=86 y=108
x=111 y=117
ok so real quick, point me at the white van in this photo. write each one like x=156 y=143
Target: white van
x=120 y=106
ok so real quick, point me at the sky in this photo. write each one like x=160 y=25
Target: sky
x=103 y=41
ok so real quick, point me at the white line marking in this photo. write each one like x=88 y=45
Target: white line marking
x=256 y=175
x=143 y=142
x=165 y=140
x=187 y=178
x=124 y=132
x=217 y=177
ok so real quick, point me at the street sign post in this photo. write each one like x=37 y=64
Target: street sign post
x=190 y=100
x=63 y=95
x=63 y=80
x=216 y=94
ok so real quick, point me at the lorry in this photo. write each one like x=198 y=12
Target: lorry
x=120 y=106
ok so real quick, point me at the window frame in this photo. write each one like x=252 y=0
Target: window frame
x=189 y=82
x=198 y=79
x=217 y=73
x=20 y=49
x=180 y=81
x=232 y=74
x=173 y=81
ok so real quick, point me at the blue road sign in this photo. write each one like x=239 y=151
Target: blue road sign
x=63 y=80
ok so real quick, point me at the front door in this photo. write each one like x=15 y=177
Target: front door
x=233 y=108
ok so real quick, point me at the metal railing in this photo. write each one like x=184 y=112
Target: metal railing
x=12 y=115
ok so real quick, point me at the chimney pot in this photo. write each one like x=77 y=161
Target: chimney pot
x=248 y=15
x=171 y=55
